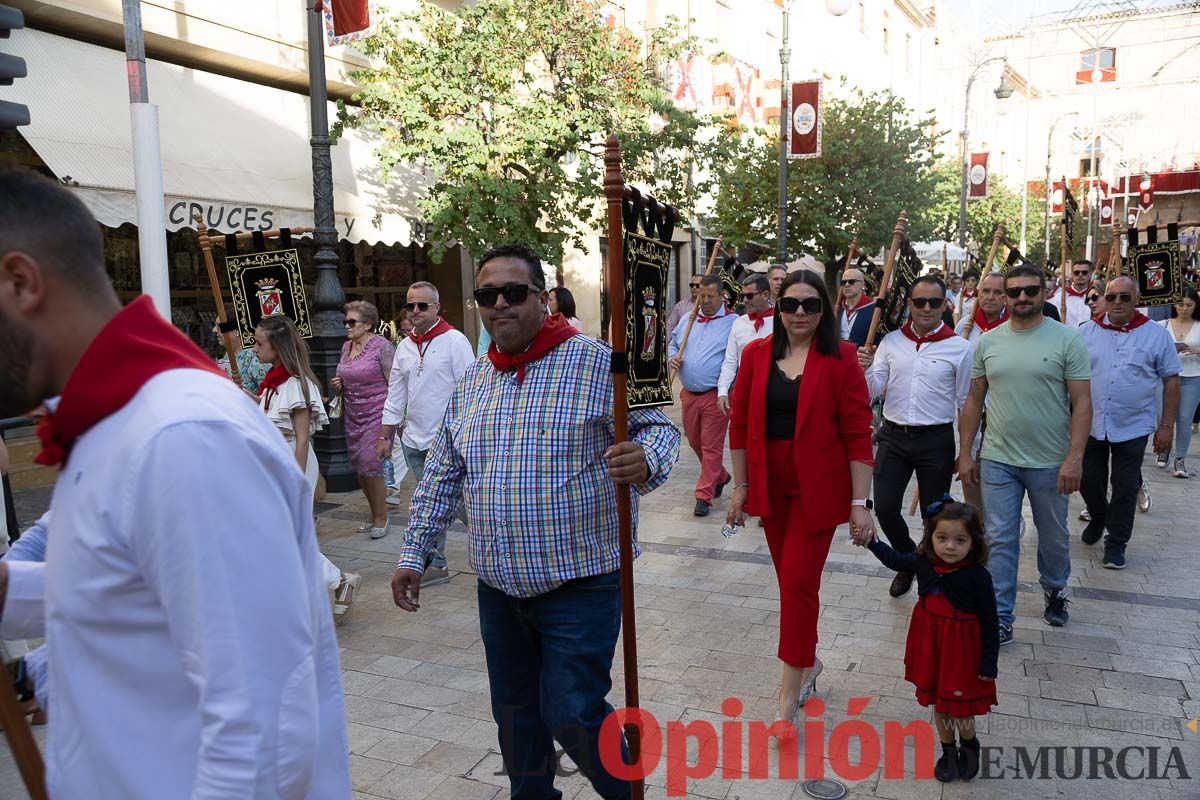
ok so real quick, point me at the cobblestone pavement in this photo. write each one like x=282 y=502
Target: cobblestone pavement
x=1125 y=673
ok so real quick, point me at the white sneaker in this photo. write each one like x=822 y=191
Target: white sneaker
x=1181 y=470
x=1145 y=501
x=393 y=498
x=1162 y=459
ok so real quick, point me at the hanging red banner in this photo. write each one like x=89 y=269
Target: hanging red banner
x=977 y=177
x=804 y=112
x=1107 y=215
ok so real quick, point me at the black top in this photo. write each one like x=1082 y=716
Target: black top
x=782 y=395
x=969 y=589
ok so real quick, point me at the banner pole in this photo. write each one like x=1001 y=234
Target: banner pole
x=614 y=189
x=1062 y=261
x=687 y=331
x=886 y=281
x=226 y=336
x=20 y=741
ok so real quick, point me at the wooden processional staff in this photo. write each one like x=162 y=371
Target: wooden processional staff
x=20 y=740
x=1063 y=273
x=207 y=240
x=687 y=331
x=885 y=282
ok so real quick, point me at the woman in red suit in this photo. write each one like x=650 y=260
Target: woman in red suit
x=800 y=441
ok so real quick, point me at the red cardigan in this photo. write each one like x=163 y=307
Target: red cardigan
x=833 y=428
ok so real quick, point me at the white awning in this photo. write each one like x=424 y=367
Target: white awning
x=234 y=151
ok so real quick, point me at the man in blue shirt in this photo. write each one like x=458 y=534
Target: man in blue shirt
x=1130 y=359
x=699 y=367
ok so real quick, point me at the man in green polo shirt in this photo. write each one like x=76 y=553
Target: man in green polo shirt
x=1035 y=373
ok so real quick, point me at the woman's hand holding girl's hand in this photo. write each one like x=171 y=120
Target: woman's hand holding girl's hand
x=862 y=526
x=737 y=501
x=985 y=678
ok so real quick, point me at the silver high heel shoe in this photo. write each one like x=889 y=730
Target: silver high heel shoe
x=810 y=684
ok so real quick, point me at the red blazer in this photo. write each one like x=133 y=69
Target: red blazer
x=833 y=428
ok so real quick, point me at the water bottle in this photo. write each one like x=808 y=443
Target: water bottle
x=730 y=529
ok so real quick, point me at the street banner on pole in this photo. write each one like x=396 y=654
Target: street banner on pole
x=647 y=265
x=977 y=188
x=804 y=113
x=1107 y=217
x=267 y=284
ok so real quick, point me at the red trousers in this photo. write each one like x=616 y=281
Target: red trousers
x=799 y=556
x=705 y=427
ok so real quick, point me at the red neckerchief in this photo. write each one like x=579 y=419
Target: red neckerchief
x=1071 y=291
x=1139 y=319
x=863 y=299
x=702 y=319
x=554 y=331
x=981 y=321
x=969 y=294
x=136 y=345
x=758 y=318
x=942 y=331
x=438 y=328
x=276 y=376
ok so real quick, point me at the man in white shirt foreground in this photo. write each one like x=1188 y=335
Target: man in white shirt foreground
x=756 y=323
x=425 y=370
x=191 y=642
x=923 y=373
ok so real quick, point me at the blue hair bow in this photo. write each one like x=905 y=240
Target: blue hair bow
x=935 y=508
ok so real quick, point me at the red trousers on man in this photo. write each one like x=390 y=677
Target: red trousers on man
x=798 y=555
x=705 y=427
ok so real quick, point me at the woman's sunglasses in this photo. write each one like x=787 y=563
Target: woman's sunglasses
x=790 y=305
x=1093 y=298
x=514 y=294
x=350 y=322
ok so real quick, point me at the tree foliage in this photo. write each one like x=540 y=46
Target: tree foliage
x=876 y=161
x=507 y=105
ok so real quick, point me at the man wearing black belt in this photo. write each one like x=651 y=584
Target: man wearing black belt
x=923 y=373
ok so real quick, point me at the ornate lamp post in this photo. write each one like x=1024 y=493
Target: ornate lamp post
x=1002 y=93
x=329 y=334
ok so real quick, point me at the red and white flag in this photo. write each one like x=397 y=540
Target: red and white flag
x=1107 y=213
x=346 y=21
x=804 y=112
x=1146 y=194
x=1056 y=197
x=977 y=177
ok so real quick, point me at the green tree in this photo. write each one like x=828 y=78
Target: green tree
x=876 y=161
x=507 y=105
x=1001 y=205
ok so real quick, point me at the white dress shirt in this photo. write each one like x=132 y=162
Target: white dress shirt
x=420 y=387
x=920 y=387
x=1077 y=308
x=741 y=334
x=192 y=652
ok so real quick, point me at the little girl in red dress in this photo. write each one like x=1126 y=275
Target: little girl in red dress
x=953 y=638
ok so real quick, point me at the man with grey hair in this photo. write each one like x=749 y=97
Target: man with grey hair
x=855 y=307
x=1130 y=361
x=756 y=323
x=425 y=371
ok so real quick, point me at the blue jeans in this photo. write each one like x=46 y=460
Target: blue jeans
x=1189 y=399
x=1004 y=490
x=549 y=660
x=415 y=459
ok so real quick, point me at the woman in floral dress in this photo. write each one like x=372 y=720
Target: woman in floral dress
x=362 y=378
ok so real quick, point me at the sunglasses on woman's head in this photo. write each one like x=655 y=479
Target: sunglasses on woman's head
x=514 y=294
x=417 y=307
x=932 y=302
x=790 y=305
x=1029 y=291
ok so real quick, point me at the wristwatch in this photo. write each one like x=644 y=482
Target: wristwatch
x=867 y=504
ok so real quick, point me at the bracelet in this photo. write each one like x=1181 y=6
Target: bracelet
x=741 y=486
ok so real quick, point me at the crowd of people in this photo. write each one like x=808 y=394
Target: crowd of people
x=141 y=591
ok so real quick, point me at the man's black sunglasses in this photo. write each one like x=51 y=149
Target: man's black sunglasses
x=694 y=285
x=1030 y=291
x=752 y=295
x=790 y=305
x=417 y=307
x=850 y=281
x=932 y=302
x=514 y=294
x=1123 y=297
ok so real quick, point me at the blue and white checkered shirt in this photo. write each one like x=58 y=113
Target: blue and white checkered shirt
x=528 y=461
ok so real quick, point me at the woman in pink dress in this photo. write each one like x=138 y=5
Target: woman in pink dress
x=362 y=378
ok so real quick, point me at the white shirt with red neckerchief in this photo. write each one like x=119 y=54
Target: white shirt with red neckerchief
x=1078 y=311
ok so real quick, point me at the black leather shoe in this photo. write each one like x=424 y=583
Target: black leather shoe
x=1093 y=532
x=901 y=584
x=721 y=486
x=702 y=507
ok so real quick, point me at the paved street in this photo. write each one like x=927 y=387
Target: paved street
x=1124 y=673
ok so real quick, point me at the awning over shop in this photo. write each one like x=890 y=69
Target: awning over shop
x=234 y=151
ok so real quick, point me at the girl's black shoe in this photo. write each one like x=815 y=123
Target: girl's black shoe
x=946 y=768
x=968 y=758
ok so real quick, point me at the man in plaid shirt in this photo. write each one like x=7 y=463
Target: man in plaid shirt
x=527 y=441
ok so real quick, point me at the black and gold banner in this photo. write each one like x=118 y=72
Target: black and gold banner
x=905 y=271
x=1070 y=210
x=267 y=284
x=1158 y=269
x=647 y=265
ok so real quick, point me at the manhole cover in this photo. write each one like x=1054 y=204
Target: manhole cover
x=824 y=789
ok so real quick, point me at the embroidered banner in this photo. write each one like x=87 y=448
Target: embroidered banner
x=977 y=177
x=267 y=285
x=1158 y=270
x=804 y=111
x=905 y=271
x=647 y=265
